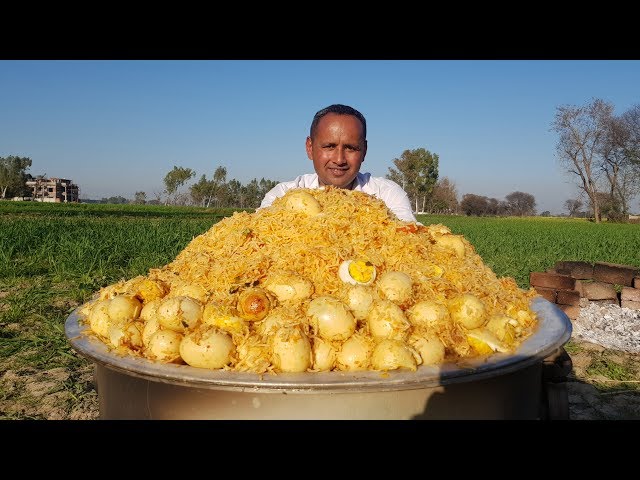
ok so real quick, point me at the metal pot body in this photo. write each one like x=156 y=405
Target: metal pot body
x=498 y=387
x=510 y=396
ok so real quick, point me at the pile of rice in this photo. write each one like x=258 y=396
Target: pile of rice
x=263 y=292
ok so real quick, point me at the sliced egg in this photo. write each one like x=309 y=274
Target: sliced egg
x=357 y=272
x=485 y=342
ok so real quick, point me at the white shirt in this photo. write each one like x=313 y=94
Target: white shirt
x=386 y=190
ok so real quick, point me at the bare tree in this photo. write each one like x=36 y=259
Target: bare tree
x=573 y=206
x=618 y=154
x=444 y=198
x=582 y=136
x=472 y=204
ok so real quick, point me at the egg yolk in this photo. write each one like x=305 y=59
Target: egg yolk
x=361 y=271
x=479 y=346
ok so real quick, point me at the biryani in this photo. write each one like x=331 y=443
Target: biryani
x=322 y=280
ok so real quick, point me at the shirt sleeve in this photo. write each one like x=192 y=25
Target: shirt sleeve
x=277 y=191
x=398 y=201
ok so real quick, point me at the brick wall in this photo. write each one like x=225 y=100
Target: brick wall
x=573 y=285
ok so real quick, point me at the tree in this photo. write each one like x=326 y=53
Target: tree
x=176 y=178
x=218 y=186
x=620 y=158
x=117 y=200
x=200 y=191
x=140 y=198
x=444 y=198
x=13 y=175
x=573 y=206
x=417 y=173
x=583 y=133
x=472 y=204
x=520 y=204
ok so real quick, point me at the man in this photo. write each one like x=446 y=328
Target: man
x=337 y=145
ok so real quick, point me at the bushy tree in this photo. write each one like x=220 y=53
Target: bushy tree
x=140 y=198
x=472 y=204
x=13 y=175
x=520 y=204
x=177 y=177
x=417 y=173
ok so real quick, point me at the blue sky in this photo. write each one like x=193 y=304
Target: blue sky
x=115 y=127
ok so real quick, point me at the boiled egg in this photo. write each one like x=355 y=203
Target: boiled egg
x=357 y=272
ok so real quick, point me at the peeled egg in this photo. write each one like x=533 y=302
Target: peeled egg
x=452 y=242
x=430 y=348
x=164 y=346
x=395 y=286
x=210 y=348
x=468 y=310
x=179 y=313
x=324 y=355
x=128 y=334
x=387 y=320
x=427 y=313
x=289 y=287
x=359 y=300
x=291 y=350
x=303 y=202
x=330 y=318
x=355 y=353
x=357 y=272
x=124 y=307
x=392 y=354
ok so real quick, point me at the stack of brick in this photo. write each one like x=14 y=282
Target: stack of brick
x=572 y=285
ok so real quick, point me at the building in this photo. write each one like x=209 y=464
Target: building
x=57 y=190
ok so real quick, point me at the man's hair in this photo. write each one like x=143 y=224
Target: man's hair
x=340 y=110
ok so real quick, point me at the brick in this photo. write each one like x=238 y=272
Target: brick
x=552 y=280
x=568 y=297
x=606 y=301
x=630 y=304
x=547 y=293
x=599 y=291
x=561 y=271
x=572 y=311
x=579 y=270
x=631 y=294
x=614 y=273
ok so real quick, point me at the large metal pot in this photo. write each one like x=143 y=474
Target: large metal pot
x=500 y=387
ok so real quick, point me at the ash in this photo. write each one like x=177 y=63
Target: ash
x=610 y=326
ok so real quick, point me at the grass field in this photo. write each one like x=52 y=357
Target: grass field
x=54 y=257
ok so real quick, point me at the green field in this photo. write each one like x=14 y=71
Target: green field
x=54 y=257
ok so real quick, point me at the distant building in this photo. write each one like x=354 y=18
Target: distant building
x=57 y=190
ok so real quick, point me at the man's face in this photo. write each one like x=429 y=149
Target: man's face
x=338 y=149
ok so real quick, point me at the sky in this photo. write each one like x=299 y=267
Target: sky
x=116 y=127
